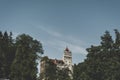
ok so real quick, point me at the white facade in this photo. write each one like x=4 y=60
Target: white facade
x=66 y=62
x=67 y=58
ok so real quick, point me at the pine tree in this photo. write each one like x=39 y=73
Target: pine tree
x=24 y=66
x=102 y=62
x=1 y=55
x=107 y=41
x=6 y=54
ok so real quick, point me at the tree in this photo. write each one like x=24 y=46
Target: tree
x=24 y=66
x=1 y=55
x=102 y=62
x=63 y=74
x=49 y=72
x=107 y=41
x=7 y=53
x=52 y=72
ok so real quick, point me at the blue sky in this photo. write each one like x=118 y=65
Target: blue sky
x=77 y=24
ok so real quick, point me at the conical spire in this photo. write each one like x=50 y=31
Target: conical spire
x=67 y=49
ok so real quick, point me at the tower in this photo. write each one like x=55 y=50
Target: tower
x=67 y=57
x=64 y=64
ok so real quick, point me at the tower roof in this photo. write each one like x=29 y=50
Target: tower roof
x=67 y=49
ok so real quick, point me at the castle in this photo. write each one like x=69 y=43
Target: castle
x=65 y=62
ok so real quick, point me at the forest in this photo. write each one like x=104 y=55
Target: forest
x=18 y=59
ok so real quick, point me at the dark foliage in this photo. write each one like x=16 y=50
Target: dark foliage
x=103 y=61
x=18 y=57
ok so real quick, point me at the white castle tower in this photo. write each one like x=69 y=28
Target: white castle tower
x=65 y=63
x=67 y=58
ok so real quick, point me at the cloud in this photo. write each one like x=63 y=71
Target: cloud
x=77 y=49
x=49 y=31
x=60 y=41
x=59 y=44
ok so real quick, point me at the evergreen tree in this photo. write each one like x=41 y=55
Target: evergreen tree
x=117 y=40
x=107 y=41
x=102 y=62
x=1 y=55
x=24 y=66
x=6 y=54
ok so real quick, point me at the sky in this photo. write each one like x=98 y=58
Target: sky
x=57 y=24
